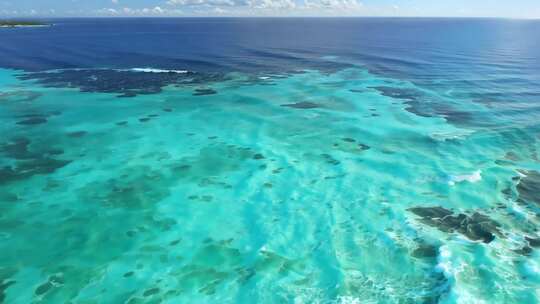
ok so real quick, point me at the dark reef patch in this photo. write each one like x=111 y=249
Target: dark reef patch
x=425 y=251
x=128 y=274
x=529 y=187
x=32 y=121
x=17 y=148
x=52 y=282
x=134 y=188
x=19 y=96
x=126 y=83
x=302 y=105
x=533 y=242
x=431 y=212
x=77 y=134
x=4 y=285
x=330 y=160
x=258 y=156
x=525 y=250
x=202 y=92
x=127 y=95
x=151 y=292
x=363 y=147
x=27 y=169
x=399 y=93
x=29 y=162
x=477 y=227
x=421 y=104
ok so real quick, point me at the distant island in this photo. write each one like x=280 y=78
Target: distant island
x=14 y=23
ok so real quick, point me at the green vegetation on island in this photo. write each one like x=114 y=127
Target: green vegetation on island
x=16 y=23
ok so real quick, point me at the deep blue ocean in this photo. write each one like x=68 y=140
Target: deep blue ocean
x=270 y=160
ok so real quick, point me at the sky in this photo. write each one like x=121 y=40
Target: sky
x=187 y=8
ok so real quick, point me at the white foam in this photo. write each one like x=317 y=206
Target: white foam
x=471 y=178
x=264 y=77
x=151 y=70
x=452 y=268
x=330 y=57
x=349 y=300
x=450 y=135
x=444 y=262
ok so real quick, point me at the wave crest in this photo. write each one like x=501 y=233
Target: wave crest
x=152 y=70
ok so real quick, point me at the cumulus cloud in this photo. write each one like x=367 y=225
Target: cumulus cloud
x=236 y=4
x=128 y=11
x=243 y=8
x=333 y=4
x=272 y=4
x=202 y=2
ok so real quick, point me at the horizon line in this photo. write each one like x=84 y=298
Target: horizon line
x=264 y=16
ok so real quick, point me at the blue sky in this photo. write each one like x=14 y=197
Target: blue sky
x=124 y=8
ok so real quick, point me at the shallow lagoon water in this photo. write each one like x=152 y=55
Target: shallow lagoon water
x=314 y=186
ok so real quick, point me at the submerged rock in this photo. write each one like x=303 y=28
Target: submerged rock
x=407 y=94
x=258 y=156
x=19 y=96
x=151 y=292
x=201 y=92
x=302 y=105
x=127 y=95
x=533 y=242
x=54 y=281
x=4 y=285
x=76 y=134
x=126 y=83
x=525 y=250
x=424 y=105
x=431 y=212
x=32 y=121
x=43 y=288
x=330 y=160
x=129 y=274
x=28 y=168
x=425 y=251
x=529 y=187
x=364 y=147
x=17 y=148
x=477 y=227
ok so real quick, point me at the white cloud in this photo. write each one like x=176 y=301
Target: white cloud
x=238 y=7
x=146 y=11
x=333 y=4
x=219 y=11
x=272 y=4
x=202 y=2
x=114 y=1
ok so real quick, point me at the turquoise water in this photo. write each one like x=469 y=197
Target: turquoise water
x=291 y=188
